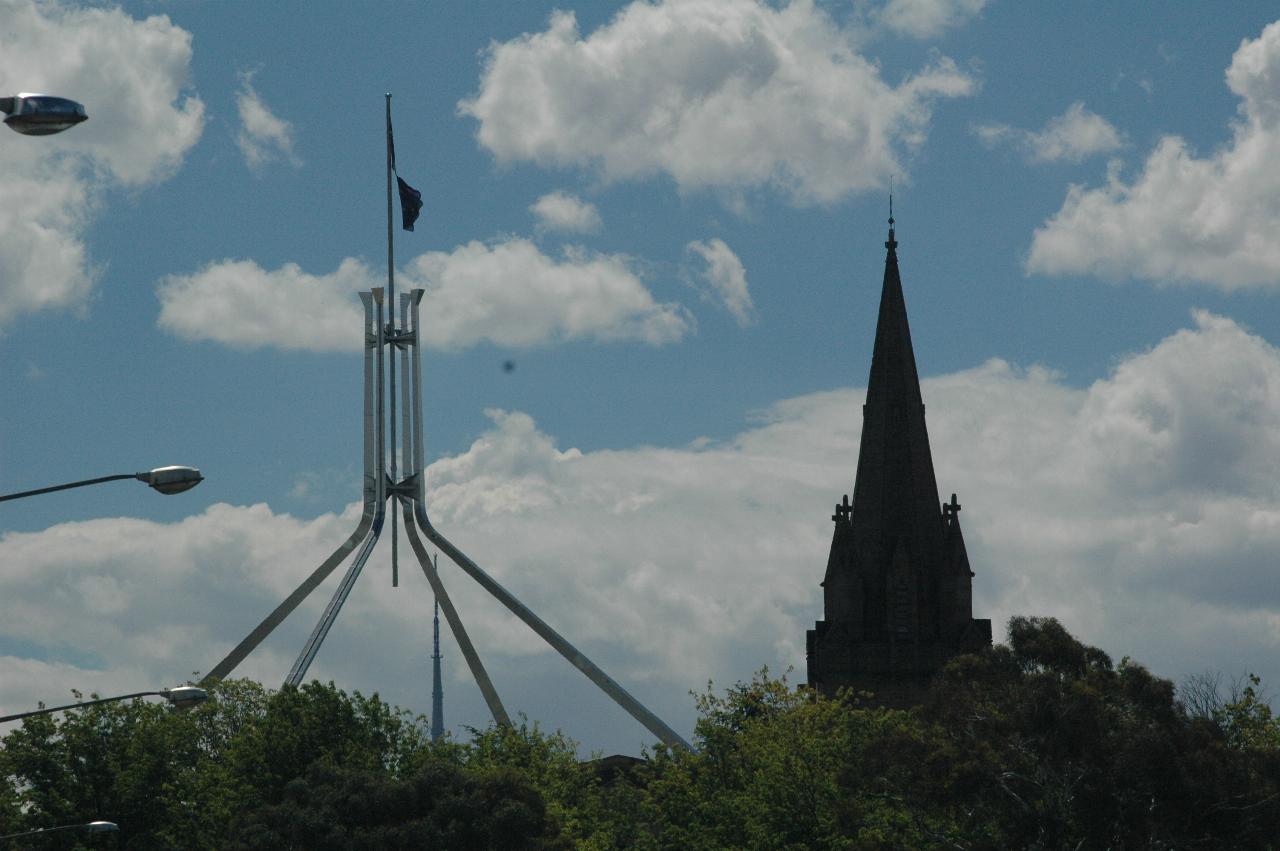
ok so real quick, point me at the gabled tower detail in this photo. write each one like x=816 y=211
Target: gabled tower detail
x=897 y=590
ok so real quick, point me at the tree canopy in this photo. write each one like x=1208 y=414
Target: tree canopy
x=1042 y=742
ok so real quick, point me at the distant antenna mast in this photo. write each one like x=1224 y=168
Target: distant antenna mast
x=437 y=689
x=404 y=485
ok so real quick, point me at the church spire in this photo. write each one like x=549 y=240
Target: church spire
x=895 y=493
x=897 y=595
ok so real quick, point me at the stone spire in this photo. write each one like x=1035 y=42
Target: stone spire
x=897 y=588
x=895 y=495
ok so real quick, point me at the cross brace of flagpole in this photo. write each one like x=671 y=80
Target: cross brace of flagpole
x=382 y=482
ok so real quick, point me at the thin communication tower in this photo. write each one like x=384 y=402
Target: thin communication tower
x=384 y=339
x=437 y=688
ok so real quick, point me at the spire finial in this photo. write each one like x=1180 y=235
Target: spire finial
x=892 y=243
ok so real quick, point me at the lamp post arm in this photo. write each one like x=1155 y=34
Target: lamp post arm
x=91 y=827
x=97 y=481
x=51 y=709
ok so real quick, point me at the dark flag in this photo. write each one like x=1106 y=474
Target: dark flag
x=410 y=203
x=410 y=198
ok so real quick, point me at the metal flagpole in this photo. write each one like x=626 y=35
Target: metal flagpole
x=382 y=482
x=391 y=336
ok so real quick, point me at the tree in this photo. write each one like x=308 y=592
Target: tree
x=1056 y=747
x=1042 y=742
x=439 y=805
x=172 y=779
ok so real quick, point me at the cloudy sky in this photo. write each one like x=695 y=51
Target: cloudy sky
x=669 y=217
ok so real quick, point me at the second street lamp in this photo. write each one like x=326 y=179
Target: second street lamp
x=179 y=697
x=166 y=480
x=41 y=115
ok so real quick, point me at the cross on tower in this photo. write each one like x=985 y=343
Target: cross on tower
x=951 y=510
x=843 y=510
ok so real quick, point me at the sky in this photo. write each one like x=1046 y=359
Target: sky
x=652 y=247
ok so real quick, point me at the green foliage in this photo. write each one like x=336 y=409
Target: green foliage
x=1247 y=720
x=1043 y=742
x=183 y=779
x=439 y=805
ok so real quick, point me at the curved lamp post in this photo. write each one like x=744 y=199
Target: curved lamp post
x=91 y=827
x=41 y=115
x=166 y=480
x=180 y=698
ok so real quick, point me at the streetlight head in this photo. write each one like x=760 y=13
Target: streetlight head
x=171 y=480
x=41 y=115
x=101 y=827
x=185 y=697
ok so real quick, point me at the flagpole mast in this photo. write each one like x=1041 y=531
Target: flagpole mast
x=381 y=483
x=390 y=334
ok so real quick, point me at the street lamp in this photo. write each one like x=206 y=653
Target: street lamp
x=41 y=115
x=166 y=480
x=179 y=697
x=91 y=827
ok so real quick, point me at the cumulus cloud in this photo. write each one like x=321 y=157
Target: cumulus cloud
x=240 y=304
x=1143 y=513
x=561 y=211
x=724 y=276
x=927 y=18
x=1072 y=136
x=82 y=591
x=263 y=137
x=729 y=95
x=1186 y=218
x=507 y=292
x=512 y=294
x=1140 y=510
x=53 y=186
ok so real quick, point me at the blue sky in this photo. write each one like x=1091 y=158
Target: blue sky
x=670 y=217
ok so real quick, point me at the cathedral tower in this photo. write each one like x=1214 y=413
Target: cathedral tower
x=897 y=591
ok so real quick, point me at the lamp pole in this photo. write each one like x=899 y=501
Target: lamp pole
x=180 y=698
x=166 y=480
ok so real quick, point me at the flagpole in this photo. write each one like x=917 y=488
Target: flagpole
x=390 y=333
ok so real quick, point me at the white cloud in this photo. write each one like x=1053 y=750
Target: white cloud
x=141 y=124
x=263 y=137
x=561 y=211
x=512 y=294
x=729 y=95
x=927 y=18
x=726 y=278
x=1184 y=218
x=1072 y=136
x=240 y=304
x=506 y=292
x=1141 y=510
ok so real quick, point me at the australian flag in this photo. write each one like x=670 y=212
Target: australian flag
x=410 y=203
x=410 y=198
